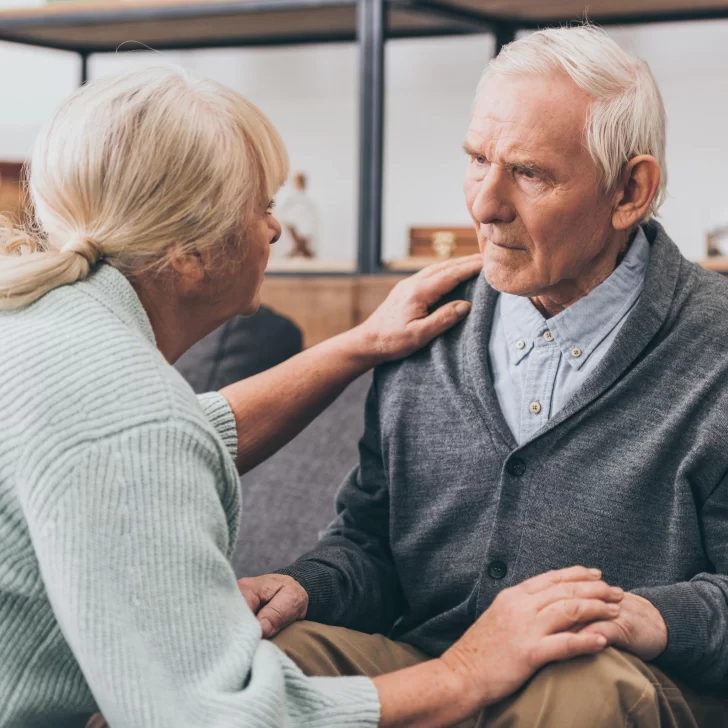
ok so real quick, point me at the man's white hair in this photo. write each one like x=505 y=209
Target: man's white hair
x=626 y=117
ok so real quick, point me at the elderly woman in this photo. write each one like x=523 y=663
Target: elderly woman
x=119 y=499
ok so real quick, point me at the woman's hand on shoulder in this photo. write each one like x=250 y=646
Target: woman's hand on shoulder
x=405 y=322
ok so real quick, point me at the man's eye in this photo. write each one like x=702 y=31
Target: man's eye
x=527 y=173
x=480 y=159
x=271 y=207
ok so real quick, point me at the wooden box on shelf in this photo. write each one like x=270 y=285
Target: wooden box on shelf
x=429 y=245
x=442 y=242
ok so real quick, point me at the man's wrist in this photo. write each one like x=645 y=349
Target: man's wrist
x=320 y=589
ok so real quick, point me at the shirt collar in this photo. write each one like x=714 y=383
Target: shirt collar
x=585 y=324
x=522 y=323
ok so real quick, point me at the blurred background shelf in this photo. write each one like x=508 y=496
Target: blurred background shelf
x=309 y=266
x=325 y=296
x=106 y=26
x=98 y=27
x=325 y=306
x=717 y=263
x=173 y=25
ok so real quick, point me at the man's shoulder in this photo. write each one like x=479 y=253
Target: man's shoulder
x=702 y=298
x=443 y=355
x=464 y=291
x=698 y=298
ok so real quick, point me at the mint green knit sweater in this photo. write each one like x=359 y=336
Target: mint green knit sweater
x=119 y=509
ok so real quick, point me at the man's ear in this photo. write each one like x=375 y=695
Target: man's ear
x=188 y=265
x=637 y=188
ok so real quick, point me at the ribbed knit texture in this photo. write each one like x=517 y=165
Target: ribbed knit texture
x=119 y=509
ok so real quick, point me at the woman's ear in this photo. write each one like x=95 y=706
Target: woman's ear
x=637 y=188
x=188 y=265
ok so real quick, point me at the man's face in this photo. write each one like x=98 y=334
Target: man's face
x=531 y=187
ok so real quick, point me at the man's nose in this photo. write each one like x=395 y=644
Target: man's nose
x=492 y=201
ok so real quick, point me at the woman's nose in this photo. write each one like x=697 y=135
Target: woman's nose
x=275 y=229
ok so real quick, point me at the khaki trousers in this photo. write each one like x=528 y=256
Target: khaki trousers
x=607 y=690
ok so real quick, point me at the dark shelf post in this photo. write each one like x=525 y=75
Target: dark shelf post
x=504 y=34
x=84 y=67
x=371 y=32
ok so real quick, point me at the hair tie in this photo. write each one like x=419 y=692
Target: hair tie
x=86 y=247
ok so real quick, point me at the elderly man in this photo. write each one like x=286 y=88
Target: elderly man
x=579 y=415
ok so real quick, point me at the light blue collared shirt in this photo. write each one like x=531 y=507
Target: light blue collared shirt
x=538 y=364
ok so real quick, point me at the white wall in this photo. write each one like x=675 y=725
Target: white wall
x=311 y=93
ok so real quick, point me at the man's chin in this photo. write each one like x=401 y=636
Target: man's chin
x=506 y=279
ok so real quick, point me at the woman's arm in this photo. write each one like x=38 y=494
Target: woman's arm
x=271 y=408
x=132 y=538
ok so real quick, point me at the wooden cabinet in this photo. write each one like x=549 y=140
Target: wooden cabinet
x=11 y=190
x=323 y=306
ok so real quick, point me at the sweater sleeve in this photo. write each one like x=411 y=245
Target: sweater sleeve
x=131 y=536
x=221 y=417
x=350 y=577
x=696 y=611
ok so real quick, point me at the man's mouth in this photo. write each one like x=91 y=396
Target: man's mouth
x=505 y=246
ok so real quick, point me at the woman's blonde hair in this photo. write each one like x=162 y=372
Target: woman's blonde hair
x=131 y=165
x=626 y=116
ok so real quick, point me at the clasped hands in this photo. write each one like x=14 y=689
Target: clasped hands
x=634 y=625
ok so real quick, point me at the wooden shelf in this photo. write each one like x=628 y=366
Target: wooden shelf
x=530 y=13
x=412 y=263
x=310 y=265
x=99 y=27
x=103 y=25
x=717 y=263
x=325 y=306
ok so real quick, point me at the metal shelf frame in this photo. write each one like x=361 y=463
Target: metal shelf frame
x=371 y=32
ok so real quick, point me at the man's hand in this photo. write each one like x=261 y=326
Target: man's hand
x=639 y=628
x=277 y=600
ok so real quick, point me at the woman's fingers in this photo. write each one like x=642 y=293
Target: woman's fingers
x=437 y=284
x=437 y=268
x=578 y=590
x=564 y=646
x=568 y=613
x=440 y=320
x=551 y=578
x=609 y=629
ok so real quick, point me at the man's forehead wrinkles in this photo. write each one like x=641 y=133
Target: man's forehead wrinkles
x=503 y=146
x=514 y=142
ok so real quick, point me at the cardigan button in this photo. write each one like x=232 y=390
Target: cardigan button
x=516 y=467
x=497 y=569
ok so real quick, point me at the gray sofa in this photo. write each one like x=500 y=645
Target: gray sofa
x=290 y=498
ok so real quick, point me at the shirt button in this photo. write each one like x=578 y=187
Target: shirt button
x=521 y=344
x=534 y=408
x=497 y=569
x=516 y=467
x=576 y=352
x=548 y=336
